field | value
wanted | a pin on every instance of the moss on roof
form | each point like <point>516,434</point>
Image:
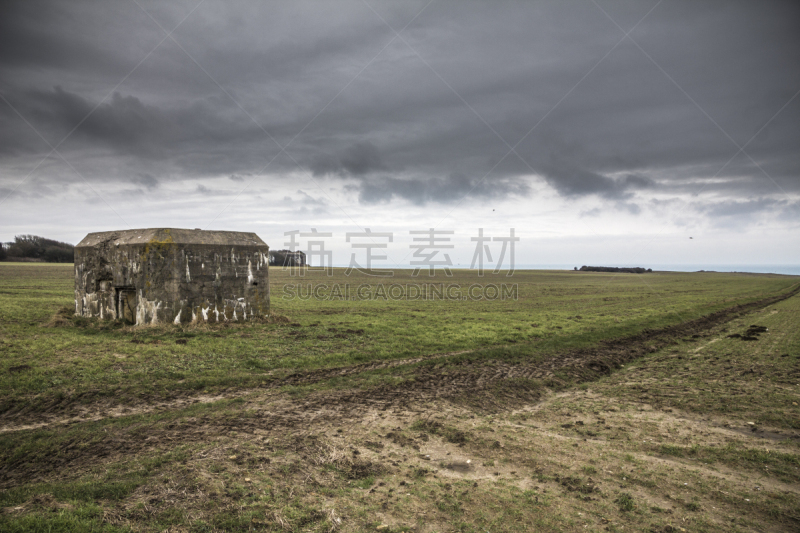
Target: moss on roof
<point>171,235</point>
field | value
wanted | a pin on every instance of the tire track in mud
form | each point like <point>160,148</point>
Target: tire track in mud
<point>428,382</point>
<point>578,365</point>
<point>484,385</point>
<point>49,415</point>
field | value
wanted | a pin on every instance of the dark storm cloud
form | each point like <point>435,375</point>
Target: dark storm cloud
<point>572,181</point>
<point>449,189</point>
<point>60,36</point>
<point>357,160</point>
<point>434,122</point>
<point>127,126</point>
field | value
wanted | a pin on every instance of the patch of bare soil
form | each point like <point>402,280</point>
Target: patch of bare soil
<point>75,408</point>
<point>431,465</point>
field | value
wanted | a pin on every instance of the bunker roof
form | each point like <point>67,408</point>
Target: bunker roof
<point>171,235</point>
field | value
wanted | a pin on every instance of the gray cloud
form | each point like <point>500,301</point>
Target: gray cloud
<point>571,181</point>
<point>126,126</point>
<point>791,213</point>
<point>310,200</point>
<point>630,207</point>
<point>450,189</point>
<point>357,160</point>
<point>145,180</point>
<point>733,208</point>
<point>738,214</point>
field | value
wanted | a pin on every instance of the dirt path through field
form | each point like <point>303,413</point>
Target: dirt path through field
<point>480,385</point>
<point>466,380</point>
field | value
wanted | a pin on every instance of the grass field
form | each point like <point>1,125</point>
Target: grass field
<point>588,401</point>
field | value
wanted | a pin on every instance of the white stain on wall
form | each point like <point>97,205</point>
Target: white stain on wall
<point>90,305</point>
<point>145,308</point>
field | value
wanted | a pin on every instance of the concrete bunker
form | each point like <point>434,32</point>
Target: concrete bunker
<point>157,275</point>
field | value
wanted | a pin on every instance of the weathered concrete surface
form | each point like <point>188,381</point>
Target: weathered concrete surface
<point>155,275</point>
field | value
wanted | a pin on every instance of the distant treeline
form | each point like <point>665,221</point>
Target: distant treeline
<point>35,248</point>
<point>633,270</point>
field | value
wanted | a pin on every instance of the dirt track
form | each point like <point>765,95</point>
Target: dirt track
<point>485,385</point>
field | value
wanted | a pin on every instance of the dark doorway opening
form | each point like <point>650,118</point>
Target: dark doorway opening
<point>125,298</point>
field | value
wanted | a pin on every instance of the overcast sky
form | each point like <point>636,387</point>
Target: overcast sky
<point>625,132</point>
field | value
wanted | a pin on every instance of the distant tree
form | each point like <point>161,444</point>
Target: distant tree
<point>2,251</point>
<point>35,247</point>
<point>59,255</point>
<point>629,270</point>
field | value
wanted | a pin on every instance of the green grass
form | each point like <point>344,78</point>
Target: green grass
<point>78,504</point>
<point>784,466</point>
<point>626,502</point>
<point>554,311</point>
<point>222,466</point>
<point>721,375</point>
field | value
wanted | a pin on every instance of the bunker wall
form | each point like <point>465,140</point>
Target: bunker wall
<point>156,282</point>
